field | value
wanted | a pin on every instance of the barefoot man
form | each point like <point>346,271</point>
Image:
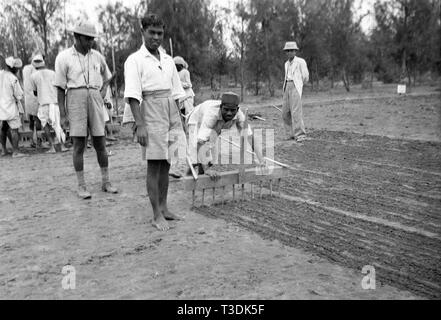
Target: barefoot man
<point>152,88</point>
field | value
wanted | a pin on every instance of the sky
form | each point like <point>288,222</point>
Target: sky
<point>89,6</point>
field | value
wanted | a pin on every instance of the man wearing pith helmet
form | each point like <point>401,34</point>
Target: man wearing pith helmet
<point>296,74</point>
<point>79,76</point>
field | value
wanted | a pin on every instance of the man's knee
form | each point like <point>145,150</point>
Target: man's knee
<point>79,145</point>
<point>99,143</point>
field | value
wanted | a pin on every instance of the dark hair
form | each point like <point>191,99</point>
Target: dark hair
<point>152,20</point>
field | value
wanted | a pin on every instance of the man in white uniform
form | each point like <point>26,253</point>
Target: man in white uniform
<point>152,88</point>
<point>296,74</point>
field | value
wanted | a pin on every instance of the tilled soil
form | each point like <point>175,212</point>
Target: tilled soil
<point>357,200</point>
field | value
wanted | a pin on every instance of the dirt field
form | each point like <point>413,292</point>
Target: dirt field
<point>355,199</point>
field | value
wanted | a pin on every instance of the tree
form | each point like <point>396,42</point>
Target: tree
<point>239,41</point>
<point>407,38</point>
<point>191,26</point>
<point>42,14</point>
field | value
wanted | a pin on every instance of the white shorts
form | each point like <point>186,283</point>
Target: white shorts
<point>43,114</point>
<point>13,123</point>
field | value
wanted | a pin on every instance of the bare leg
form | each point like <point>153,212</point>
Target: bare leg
<point>3,137</point>
<point>50,138</point>
<point>153,189</point>
<point>79,144</point>
<point>163,191</point>
<point>14,141</point>
<point>99,143</point>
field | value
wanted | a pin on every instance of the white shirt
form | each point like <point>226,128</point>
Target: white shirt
<point>144,72</point>
<point>31,103</point>
<point>43,81</point>
<point>297,71</point>
<point>74,70</point>
<point>10,95</point>
<point>184,76</point>
<point>207,117</point>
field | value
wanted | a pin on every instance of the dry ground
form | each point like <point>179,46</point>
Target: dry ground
<point>356,199</point>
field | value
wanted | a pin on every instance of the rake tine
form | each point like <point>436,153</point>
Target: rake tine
<point>193,197</point>
<point>243,192</point>
<point>214,189</point>
<point>252,193</point>
<point>203,196</point>
<point>260,192</point>
<point>234,193</point>
<point>271,188</point>
<point>278,186</point>
<point>223,192</point>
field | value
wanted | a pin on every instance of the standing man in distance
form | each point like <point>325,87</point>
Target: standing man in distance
<point>31,102</point>
<point>82,71</point>
<point>42,82</point>
<point>10,106</point>
<point>152,88</point>
<point>296,74</point>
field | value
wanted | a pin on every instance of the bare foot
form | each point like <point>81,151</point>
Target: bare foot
<point>171,216</point>
<point>160,223</point>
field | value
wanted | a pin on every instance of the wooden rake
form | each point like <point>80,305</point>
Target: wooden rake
<point>243,176</point>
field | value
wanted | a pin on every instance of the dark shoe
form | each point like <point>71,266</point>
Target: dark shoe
<point>83,193</point>
<point>107,187</point>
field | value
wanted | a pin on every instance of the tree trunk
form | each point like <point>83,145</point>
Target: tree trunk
<point>345,80</point>
<point>45,38</point>
<point>241,62</point>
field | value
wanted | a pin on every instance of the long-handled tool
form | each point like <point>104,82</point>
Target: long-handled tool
<point>276,108</point>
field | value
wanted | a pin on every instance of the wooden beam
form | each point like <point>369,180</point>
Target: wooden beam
<point>229,178</point>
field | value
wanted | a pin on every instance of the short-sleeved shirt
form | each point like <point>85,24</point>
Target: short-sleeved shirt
<point>143,72</point>
<point>208,118</point>
<point>10,95</point>
<point>43,81</point>
<point>74,70</point>
<point>31,103</point>
<point>184,76</point>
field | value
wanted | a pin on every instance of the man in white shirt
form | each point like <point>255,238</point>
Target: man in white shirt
<point>296,74</point>
<point>30,102</point>
<point>207,121</point>
<point>153,88</point>
<point>80,73</point>
<point>10,106</point>
<point>42,84</point>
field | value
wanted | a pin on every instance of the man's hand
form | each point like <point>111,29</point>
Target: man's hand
<point>212,174</point>
<point>64,122</point>
<point>141,133</point>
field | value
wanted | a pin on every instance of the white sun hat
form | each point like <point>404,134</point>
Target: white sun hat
<point>291,45</point>
<point>86,29</point>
